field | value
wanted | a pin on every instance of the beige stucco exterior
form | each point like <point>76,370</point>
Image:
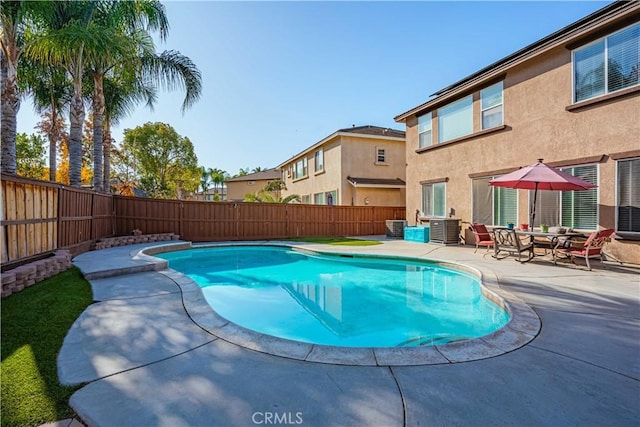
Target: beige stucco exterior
<point>350,154</point>
<point>239,187</point>
<point>540,121</point>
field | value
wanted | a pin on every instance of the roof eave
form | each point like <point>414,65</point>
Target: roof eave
<point>565,35</point>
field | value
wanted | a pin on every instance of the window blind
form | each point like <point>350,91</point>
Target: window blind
<point>623,51</point>
<point>629,195</point>
<point>589,71</point>
<point>580,208</point>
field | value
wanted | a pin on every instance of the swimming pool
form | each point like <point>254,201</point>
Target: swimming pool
<point>338,300</point>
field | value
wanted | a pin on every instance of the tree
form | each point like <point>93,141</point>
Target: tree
<point>51,92</point>
<point>166,164</point>
<point>218,176</point>
<point>72,40</point>
<point>133,53</point>
<point>54,130</point>
<point>16,18</point>
<point>271,193</point>
<point>205,179</point>
<point>122,91</point>
<point>30,157</point>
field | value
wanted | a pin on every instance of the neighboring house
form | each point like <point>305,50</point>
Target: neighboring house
<point>239,187</point>
<point>554,99</point>
<point>210,195</point>
<point>356,166</point>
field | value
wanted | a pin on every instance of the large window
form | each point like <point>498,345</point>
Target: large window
<point>319,161</point>
<point>433,199</point>
<point>300,169</point>
<point>455,120</point>
<point>318,199</point>
<point>491,105</point>
<point>573,209</point>
<point>620,52</point>
<point>424,130</point>
<point>493,205</point>
<point>628,204</point>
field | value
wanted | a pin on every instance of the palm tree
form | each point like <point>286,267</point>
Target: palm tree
<point>73,40</point>
<point>271,193</point>
<point>51,91</point>
<point>16,18</point>
<point>204,179</point>
<point>121,20</point>
<point>129,23</point>
<point>218,177</point>
<point>122,92</point>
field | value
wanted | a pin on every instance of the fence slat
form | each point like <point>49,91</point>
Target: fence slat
<point>39,216</point>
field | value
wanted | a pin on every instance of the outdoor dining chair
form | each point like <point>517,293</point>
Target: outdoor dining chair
<point>483,238</point>
<point>591,248</point>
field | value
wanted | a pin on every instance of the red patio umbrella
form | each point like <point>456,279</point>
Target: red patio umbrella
<point>540,176</point>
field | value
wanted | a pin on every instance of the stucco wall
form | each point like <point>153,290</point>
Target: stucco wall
<point>538,125</point>
<point>236,190</point>
<point>352,156</point>
<point>318,182</point>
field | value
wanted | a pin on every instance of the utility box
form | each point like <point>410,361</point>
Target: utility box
<point>395,228</point>
<point>445,231</point>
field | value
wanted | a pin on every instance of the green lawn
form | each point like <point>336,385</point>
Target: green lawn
<point>336,241</point>
<point>34,323</point>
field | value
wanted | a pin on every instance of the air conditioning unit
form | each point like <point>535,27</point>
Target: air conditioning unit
<point>445,231</point>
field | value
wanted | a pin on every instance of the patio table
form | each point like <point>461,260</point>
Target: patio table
<point>553,237</point>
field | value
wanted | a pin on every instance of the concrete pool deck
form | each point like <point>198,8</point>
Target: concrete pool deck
<point>144,361</point>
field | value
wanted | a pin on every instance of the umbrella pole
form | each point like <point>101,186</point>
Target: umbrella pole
<point>533,208</point>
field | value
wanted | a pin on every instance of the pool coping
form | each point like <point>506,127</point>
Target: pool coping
<point>523,326</point>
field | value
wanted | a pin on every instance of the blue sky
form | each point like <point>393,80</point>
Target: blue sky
<point>280,76</point>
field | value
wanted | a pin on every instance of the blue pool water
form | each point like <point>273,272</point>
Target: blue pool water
<point>342,301</point>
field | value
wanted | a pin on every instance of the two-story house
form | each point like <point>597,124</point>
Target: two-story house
<point>363,165</point>
<point>572,99</point>
<point>240,186</point>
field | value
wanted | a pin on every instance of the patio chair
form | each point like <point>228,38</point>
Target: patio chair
<point>506,240</point>
<point>483,238</point>
<point>591,248</point>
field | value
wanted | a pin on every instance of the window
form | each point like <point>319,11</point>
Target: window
<point>252,183</point>
<point>579,209</point>
<point>331,197</point>
<point>493,205</point>
<point>620,52</point>
<point>306,199</point>
<point>572,209</point>
<point>424,130</point>
<point>319,161</point>
<point>491,105</point>
<point>318,199</point>
<point>381,155</point>
<point>433,199</point>
<point>628,197</point>
<point>300,169</point>
<point>455,120</point>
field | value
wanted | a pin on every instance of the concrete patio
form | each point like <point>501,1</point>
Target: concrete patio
<point>144,361</point>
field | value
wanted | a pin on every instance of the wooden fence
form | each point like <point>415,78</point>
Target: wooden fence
<point>39,217</point>
<point>207,221</point>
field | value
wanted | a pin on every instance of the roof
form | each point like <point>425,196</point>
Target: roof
<point>375,182</point>
<point>374,130</point>
<point>571,32</point>
<point>265,175</point>
<point>367,131</point>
